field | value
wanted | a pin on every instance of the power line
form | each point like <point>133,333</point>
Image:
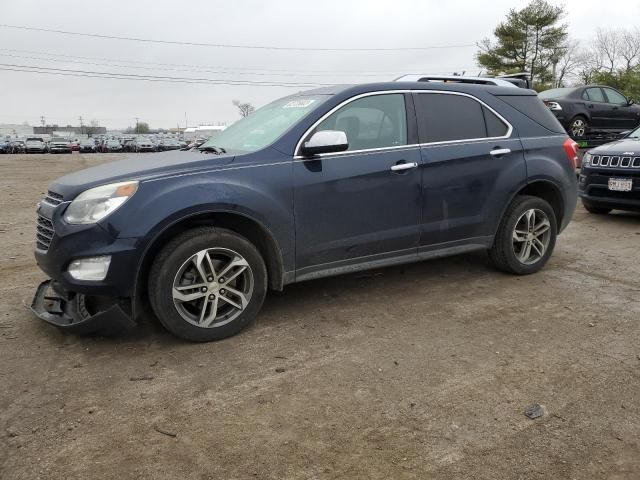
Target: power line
<point>205,68</point>
<point>223,72</point>
<point>226,45</point>
<point>151,78</point>
<point>200,70</point>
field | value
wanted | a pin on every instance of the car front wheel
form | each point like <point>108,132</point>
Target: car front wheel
<point>526,236</point>
<point>207,284</point>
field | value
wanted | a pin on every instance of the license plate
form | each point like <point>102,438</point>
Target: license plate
<point>621,184</point>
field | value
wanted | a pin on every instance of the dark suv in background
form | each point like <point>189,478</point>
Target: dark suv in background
<point>320,183</point>
<point>610,176</point>
<point>592,108</point>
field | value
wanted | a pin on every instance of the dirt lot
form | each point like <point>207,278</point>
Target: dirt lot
<point>415,372</point>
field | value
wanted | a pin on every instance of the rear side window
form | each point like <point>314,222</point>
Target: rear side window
<point>376,121</point>
<point>532,107</point>
<point>447,117</point>
<point>495,126</point>
<point>595,95</point>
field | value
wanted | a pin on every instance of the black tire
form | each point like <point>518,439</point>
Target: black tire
<point>595,208</point>
<point>503,254</point>
<point>174,255</point>
<point>578,126</point>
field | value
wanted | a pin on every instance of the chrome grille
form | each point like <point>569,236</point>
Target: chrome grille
<point>605,161</point>
<point>44,233</point>
<point>53,198</point>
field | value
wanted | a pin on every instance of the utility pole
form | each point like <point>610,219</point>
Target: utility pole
<point>42,122</point>
<point>81,126</point>
<point>137,119</point>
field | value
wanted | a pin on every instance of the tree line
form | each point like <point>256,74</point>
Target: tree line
<point>535,39</point>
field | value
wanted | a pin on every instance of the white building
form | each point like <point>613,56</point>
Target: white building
<point>15,130</point>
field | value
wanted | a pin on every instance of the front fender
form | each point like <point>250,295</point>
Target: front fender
<point>263,194</point>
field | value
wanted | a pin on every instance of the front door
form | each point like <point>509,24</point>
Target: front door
<point>357,206</point>
<point>625,116</point>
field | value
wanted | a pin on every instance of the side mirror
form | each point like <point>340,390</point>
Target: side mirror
<point>630,101</point>
<point>325,141</point>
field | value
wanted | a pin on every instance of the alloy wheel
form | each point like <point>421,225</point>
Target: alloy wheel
<point>531,236</point>
<point>213,287</point>
<point>578,127</point>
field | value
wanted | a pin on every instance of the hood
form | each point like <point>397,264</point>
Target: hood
<point>626,146</point>
<point>137,167</point>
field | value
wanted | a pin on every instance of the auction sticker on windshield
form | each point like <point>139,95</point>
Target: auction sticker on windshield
<point>299,103</point>
<point>621,184</point>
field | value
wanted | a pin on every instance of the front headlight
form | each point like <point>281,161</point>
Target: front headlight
<point>586,160</point>
<point>96,203</point>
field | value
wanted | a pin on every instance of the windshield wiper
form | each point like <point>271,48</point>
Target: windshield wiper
<point>212,148</point>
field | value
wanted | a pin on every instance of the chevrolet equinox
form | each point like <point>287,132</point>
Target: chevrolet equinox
<point>319,183</point>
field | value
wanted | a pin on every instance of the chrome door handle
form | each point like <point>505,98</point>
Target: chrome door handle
<point>500,151</point>
<point>403,166</point>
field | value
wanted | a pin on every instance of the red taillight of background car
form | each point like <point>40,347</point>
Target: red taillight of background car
<point>571,149</point>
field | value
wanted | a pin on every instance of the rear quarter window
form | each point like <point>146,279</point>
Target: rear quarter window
<point>532,107</point>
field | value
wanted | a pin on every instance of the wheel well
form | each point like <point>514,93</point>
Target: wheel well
<point>248,228</point>
<point>549,192</point>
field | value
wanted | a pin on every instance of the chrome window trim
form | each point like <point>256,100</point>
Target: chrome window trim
<point>297,156</point>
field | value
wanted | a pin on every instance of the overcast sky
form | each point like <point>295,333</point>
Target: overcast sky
<point>274,23</point>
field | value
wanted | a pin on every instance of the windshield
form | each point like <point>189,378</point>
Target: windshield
<point>635,134</point>
<point>265,125</point>
<point>556,93</point>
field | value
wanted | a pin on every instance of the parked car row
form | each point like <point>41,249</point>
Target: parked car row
<point>102,144</point>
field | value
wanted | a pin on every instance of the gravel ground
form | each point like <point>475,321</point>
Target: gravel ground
<point>413,372</point>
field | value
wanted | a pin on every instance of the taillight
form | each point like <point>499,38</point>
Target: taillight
<point>571,149</point>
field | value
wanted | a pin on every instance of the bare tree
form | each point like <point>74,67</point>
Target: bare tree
<point>608,46</point>
<point>245,108</point>
<point>566,62</point>
<point>630,49</point>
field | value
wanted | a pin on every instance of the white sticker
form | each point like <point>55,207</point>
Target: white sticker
<point>299,103</point>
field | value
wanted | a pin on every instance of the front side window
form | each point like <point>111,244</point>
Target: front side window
<point>376,121</point>
<point>446,117</point>
<point>615,97</point>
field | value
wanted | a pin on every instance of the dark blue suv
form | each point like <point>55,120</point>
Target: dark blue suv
<point>319,183</point>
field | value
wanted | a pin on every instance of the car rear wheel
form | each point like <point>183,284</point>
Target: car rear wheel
<point>578,127</point>
<point>207,284</point>
<point>595,209</point>
<point>526,236</point>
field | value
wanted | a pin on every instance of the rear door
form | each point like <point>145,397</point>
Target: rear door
<point>472,164</point>
<point>601,112</point>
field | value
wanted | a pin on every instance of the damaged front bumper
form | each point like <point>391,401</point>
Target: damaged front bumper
<point>77,313</point>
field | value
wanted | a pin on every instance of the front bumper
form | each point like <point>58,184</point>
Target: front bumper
<point>69,242</point>
<point>593,188</point>
<point>71,312</point>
